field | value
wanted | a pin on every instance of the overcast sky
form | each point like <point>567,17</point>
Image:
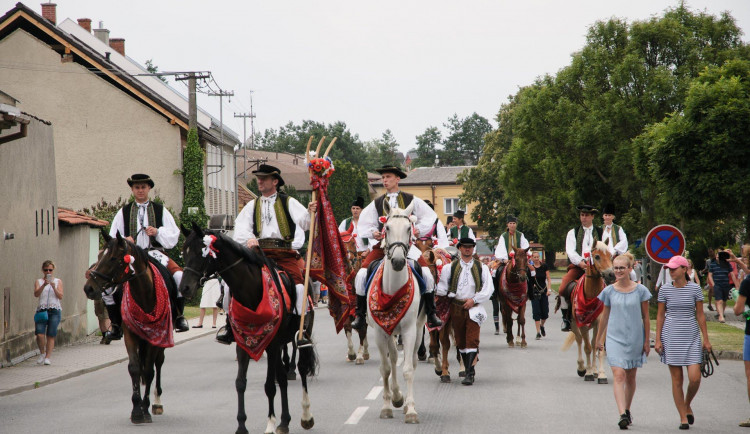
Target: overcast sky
<point>376,65</point>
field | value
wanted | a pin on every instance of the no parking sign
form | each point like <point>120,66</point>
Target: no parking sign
<point>663,242</point>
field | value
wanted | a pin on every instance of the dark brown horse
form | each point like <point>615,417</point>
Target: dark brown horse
<point>354,259</point>
<point>512,292</point>
<point>242,268</point>
<point>144,359</point>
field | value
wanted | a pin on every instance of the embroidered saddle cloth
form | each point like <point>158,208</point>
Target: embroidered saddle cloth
<point>255,329</point>
<point>156,326</point>
<point>515,293</point>
<point>388,310</point>
<point>586,311</point>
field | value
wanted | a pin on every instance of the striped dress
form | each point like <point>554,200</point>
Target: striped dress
<point>680,335</point>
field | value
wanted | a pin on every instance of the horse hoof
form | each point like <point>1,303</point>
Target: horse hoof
<point>524,344</point>
<point>366,356</point>
<point>307,424</point>
<point>431,359</point>
<point>411,418</point>
<point>422,357</point>
<point>602,381</point>
<point>157,409</point>
<point>461,374</point>
<point>581,373</point>
<point>510,345</point>
<point>588,378</point>
<point>398,403</point>
<point>386,413</point>
<point>360,362</point>
<point>291,375</point>
<point>445,378</point>
<point>241,430</point>
<point>351,357</point>
<point>400,347</point>
<point>282,430</point>
<point>438,372</point>
<point>137,419</point>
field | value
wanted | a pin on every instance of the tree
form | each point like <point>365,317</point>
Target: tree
<point>346,183</point>
<point>193,160</point>
<point>465,140</point>
<point>153,69</point>
<point>427,143</point>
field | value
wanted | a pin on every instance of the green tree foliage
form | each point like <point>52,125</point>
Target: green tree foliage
<point>150,67</point>
<point>253,186</point>
<point>574,138</point>
<point>302,196</point>
<point>427,147</point>
<point>346,183</point>
<point>465,140</point>
<point>193,181</point>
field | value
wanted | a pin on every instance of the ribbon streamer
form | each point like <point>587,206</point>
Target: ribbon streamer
<point>208,241</point>
<point>129,260</point>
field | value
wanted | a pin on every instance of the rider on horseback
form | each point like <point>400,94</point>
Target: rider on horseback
<point>437,233</point>
<point>468,283</point>
<point>508,241</point>
<point>151,227</point>
<point>351,225</point>
<point>369,223</point>
<point>275,222</point>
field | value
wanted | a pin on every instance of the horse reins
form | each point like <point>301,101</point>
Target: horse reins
<point>390,246</point>
<point>111,280</point>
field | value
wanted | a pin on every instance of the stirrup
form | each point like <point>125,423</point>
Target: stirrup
<point>303,342</point>
<point>225,336</point>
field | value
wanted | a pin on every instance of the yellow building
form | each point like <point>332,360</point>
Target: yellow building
<point>439,185</point>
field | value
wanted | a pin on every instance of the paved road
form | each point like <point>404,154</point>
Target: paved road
<point>517,390</point>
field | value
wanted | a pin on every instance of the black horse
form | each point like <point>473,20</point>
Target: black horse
<point>241,268</point>
<point>144,359</point>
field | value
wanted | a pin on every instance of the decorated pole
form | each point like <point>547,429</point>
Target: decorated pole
<point>300,337</point>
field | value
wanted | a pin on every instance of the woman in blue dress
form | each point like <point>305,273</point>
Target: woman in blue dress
<point>678,340</point>
<point>624,322</point>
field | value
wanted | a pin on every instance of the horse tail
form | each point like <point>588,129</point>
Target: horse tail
<point>308,361</point>
<point>568,342</point>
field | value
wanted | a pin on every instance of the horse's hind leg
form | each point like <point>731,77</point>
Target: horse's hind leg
<point>281,378</point>
<point>134,369</point>
<point>508,319</point>
<point>434,344</point>
<point>409,366</point>
<point>243,359</point>
<point>350,354</point>
<point>157,408</point>
<point>363,353</point>
<point>587,348</point>
<point>422,351</point>
<point>522,324</point>
<point>273,354</point>
<point>581,370</point>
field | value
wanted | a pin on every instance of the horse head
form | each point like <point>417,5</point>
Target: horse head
<point>601,261</point>
<point>198,259</point>
<point>516,270</point>
<point>120,261</point>
<point>350,244</point>
<point>398,235</point>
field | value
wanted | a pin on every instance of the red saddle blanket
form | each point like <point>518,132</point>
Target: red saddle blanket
<point>255,329</point>
<point>586,311</point>
<point>515,294</point>
<point>442,310</point>
<point>156,326</point>
<point>388,310</point>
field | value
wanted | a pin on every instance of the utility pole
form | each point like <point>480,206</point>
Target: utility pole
<point>192,78</point>
<point>244,117</point>
<point>252,123</point>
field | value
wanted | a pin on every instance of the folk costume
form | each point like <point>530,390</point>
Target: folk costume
<point>132,221</point>
<point>506,243</point>
<point>349,224</point>
<point>580,240</point>
<point>437,233</point>
<point>369,222</point>
<point>461,281</point>
<point>457,233</point>
<point>613,235</point>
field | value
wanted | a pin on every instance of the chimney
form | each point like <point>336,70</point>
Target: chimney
<point>49,11</point>
<point>85,23</point>
<point>118,44</point>
<point>101,33</point>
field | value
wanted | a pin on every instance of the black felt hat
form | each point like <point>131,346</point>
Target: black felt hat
<point>511,219</point>
<point>140,177</point>
<point>466,242</point>
<point>459,214</point>
<point>392,169</point>
<point>268,170</point>
<point>608,209</point>
<point>587,208</point>
<point>359,201</point>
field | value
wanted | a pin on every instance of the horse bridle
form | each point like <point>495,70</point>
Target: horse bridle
<point>109,281</point>
<point>203,276</point>
<point>390,246</point>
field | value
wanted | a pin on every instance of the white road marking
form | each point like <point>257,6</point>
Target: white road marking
<point>356,416</point>
<point>374,393</point>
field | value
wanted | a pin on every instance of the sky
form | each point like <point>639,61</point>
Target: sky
<point>391,64</point>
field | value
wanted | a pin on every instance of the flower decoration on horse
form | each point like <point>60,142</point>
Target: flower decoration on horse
<point>321,167</point>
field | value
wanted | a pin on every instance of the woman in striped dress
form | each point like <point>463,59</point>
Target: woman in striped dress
<point>678,320</point>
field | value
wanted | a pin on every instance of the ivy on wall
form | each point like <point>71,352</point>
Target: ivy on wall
<point>192,173</point>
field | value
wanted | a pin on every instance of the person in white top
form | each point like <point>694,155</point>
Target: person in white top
<point>460,230</point>
<point>437,236</point>
<point>468,283</point>
<point>369,223</point>
<point>150,226</point>
<point>351,225</point>
<point>578,242</point>
<point>49,290</point>
<point>275,222</point>
<point>509,240</point>
<point>612,234</point>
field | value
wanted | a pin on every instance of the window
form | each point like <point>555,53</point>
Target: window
<point>451,205</point>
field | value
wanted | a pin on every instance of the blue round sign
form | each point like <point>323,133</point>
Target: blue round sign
<point>663,242</point>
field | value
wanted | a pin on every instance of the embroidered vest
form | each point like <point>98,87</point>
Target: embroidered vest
<point>615,235</point>
<point>464,232</point>
<point>283,218</point>
<point>476,273</point>
<point>596,233</point>
<point>403,199</point>
<point>511,242</point>
<point>155,212</point>
<point>349,226</point>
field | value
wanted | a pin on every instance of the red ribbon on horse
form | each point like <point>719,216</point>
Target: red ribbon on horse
<point>388,310</point>
<point>156,326</point>
<point>515,294</point>
<point>586,311</point>
<point>328,263</point>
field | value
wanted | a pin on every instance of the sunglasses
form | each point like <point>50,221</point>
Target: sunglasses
<point>620,268</point>
<point>48,269</point>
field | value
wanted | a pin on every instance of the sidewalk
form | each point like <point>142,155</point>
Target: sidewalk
<point>73,360</point>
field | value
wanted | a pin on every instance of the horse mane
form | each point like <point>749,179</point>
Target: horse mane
<point>601,247</point>
<point>252,256</point>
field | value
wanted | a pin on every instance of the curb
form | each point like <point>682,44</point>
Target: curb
<point>83,371</point>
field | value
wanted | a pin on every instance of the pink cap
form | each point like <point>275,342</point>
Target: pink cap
<point>677,261</point>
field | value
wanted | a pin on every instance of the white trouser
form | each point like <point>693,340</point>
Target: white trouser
<point>300,296</point>
<point>360,280</point>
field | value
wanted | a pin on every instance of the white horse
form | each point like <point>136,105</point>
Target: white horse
<point>396,243</point>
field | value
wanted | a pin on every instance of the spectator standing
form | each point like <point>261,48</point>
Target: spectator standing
<point>539,292</point>
<point>739,307</point>
<point>709,284</point>
<point>209,297</point>
<point>625,323</point>
<point>719,275</point>
<point>692,274</point>
<point>678,321</point>
<point>101,314</point>
<point>49,290</point>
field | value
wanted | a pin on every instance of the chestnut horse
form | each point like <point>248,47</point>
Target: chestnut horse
<point>598,274</point>
<point>354,258</point>
<point>512,292</point>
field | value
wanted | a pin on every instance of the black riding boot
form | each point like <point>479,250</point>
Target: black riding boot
<point>429,309</point>
<point>180,323</point>
<point>360,322</point>
<point>115,319</point>
<point>304,340</point>
<point>565,320</point>
<point>225,335</point>
<point>468,362</point>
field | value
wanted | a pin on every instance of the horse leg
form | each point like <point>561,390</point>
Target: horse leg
<point>522,324</point>
<point>281,378</point>
<point>350,354</point>
<point>363,352</point>
<point>601,374</point>
<point>422,350</point>
<point>445,344</point>
<point>274,356</point>
<point>409,366</point>
<point>157,408</point>
<point>290,366</point>
<point>581,371</point>
<point>397,399</point>
<point>587,348</point>
<point>243,360</point>
<point>306,368</point>
<point>434,344</point>
<point>148,376</point>
<point>385,344</point>
<point>134,369</point>
<point>507,315</point>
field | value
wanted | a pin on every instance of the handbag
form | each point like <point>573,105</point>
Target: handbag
<point>41,316</point>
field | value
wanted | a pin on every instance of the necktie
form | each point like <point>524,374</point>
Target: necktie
<point>142,215</point>
<point>267,207</point>
<point>465,273</point>
<point>393,199</point>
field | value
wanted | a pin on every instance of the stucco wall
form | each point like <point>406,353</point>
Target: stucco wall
<point>102,135</point>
